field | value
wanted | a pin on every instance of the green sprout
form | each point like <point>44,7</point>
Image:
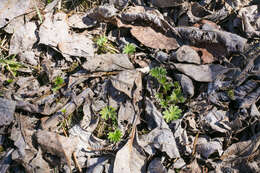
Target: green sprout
<point>58,82</point>
<point>115,136</point>
<point>10,65</point>
<point>102,41</point>
<point>104,45</point>
<point>177,96</point>
<point>231,94</point>
<point>129,49</point>
<point>173,113</point>
<point>64,110</point>
<point>108,112</point>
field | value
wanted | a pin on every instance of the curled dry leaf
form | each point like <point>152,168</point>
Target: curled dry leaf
<point>232,42</point>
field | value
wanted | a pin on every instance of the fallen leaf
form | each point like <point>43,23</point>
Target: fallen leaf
<point>200,73</point>
<point>10,9</point>
<point>108,62</point>
<point>153,39</point>
<point>129,159</point>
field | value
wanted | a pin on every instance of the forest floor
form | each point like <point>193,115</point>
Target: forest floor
<point>129,86</point>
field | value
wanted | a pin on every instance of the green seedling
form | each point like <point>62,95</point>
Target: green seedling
<point>129,49</point>
<point>64,111</point>
<point>115,136</point>
<point>58,82</point>
<point>177,96</point>
<point>169,94</point>
<point>9,81</point>
<point>172,113</point>
<point>10,65</point>
<point>231,94</point>
<point>104,45</point>
<point>108,112</point>
<point>160,74</point>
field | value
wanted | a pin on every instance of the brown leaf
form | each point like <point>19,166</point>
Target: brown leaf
<point>204,54</point>
<point>150,38</point>
<point>57,144</point>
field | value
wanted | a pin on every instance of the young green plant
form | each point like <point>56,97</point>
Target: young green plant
<point>129,49</point>
<point>58,83</point>
<point>107,113</point>
<point>104,46</point>
<point>10,64</point>
<point>169,94</point>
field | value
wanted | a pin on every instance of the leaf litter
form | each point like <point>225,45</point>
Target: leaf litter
<point>55,86</point>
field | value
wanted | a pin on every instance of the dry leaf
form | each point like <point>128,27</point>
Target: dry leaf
<point>153,39</point>
<point>10,9</point>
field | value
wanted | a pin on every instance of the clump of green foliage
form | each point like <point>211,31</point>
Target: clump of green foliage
<point>169,94</point>
<point>58,83</point>
<point>109,113</point>
<point>129,49</point>
<point>10,64</point>
<point>104,46</point>
<point>172,113</point>
<point>115,136</point>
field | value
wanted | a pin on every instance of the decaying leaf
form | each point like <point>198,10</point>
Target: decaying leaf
<point>156,167</point>
<point>250,20</point>
<point>201,73</point>
<point>54,32</point>
<point>207,148</point>
<point>155,118</point>
<point>70,107</point>
<point>187,54</point>
<point>150,38</point>
<point>23,38</point>
<point>25,153</point>
<point>129,159</point>
<point>57,145</point>
<point>81,21</point>
<point>7,108</point>
<point>156,37</point>
<point>77,45</point>
<point>108,62</point>
<point>217,120</point>
<point>11,9</point>
<point>126,80</point>
<point>160,139</point>
<point>167,3</point>
<point>232,42</point>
